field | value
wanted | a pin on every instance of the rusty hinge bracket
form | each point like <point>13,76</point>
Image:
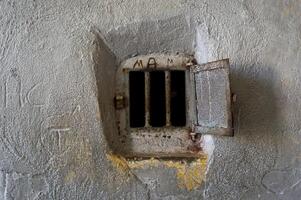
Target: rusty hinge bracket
<point>191,63</point>
<point>119,102</point>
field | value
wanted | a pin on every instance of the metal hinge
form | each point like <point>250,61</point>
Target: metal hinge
<point>191,63</point>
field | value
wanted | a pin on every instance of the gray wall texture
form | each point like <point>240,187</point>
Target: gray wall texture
<point>57,64</point>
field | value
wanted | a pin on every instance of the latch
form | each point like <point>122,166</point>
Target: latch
<point>119,102</point>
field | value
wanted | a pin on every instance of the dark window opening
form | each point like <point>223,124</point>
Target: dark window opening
<point>157,98</point>
<point>137,100</point>
<point>177,98</point>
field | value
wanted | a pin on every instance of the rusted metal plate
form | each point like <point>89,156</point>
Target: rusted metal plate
<point>160,142</point>
<point>212,98</point>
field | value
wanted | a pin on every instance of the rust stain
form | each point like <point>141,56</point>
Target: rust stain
<point>190,174</point>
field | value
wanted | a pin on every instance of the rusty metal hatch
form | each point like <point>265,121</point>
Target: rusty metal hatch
<point>162,135</point>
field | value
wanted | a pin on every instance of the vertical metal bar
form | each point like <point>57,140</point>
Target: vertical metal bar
<point>189,97</point>
<point>167,97</point>
<point>147,98</point>
<point>126,84</point>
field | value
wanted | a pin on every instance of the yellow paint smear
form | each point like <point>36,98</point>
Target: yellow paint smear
<point>190,174</point>
<point>70,176</point>
<point>119,162</point>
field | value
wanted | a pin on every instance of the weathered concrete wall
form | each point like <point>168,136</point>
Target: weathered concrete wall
<point>57,60</point>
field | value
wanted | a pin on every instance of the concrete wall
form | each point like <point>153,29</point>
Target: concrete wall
<point>58,59</point>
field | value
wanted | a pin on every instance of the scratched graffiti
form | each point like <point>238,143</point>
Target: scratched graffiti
<point>151,63</point>
<point>169,61</point>
<point>138,64</point>
<point>14,95</point>
<point>20,130</point>
<point>11,183</point>
<point>158,61</point>
<point>30,128</point>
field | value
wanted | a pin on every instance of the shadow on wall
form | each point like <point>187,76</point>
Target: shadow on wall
<point>172,34</point>
<point>252,152</point>
<point>105,70</point>
<point>257,105</point>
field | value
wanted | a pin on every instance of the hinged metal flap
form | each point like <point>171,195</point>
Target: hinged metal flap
<point>212,96</point>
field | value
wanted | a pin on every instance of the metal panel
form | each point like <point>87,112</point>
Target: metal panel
<point>212,98</point>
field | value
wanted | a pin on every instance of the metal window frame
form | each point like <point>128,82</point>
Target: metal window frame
<point>225,129</point>
<point>149,141</point>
